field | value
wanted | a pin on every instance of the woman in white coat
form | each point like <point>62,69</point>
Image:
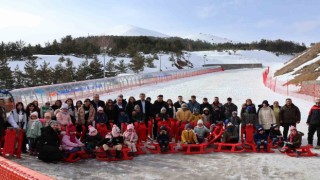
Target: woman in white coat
<point>266,117</point>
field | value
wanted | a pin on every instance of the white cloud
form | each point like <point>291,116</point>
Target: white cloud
<point>14,18</point>
<point>306,26</point>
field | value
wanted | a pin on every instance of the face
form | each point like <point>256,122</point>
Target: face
<point>19,107</point>
<point>200,125</point>
<point>169,102</point>
<point>100,111</point>
<point>234,114</point>
<point>193,99</point>
<point>96,98</point>
<point>248,101</point>
<point>261,132</point>
<point>64,110</point>
<point>79,104</point>
<point>54,126</point>
<point>109,103</point>
<point>180,98</point>
<point>69,102</point>
<point>87,103</point>
<point>119,100</point>
<point>47,104</point>
<point>276,104</point>
<point>142,96</point>
<point>206,112</point>
<point>160,98</point>
<point>130,130</point>
<point>229,101</point>
<point>47,117</point>
<point>33,117</point>
<point>318,102</point>
<point>132,99</point>
<point>216,99</point>
<point>264,105</point>
<point>35,103</point>
<point>276,128</point>
<point>31,108</point>
<point>288,102</point>
<point>205,101</point>
<point>58,103</point>
<point>73,132</point>
<point>294,132</point>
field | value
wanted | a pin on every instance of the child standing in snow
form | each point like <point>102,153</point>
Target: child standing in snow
<point>130,139</point>
<point>163,138</point>
<point>260,138</point>
<point>33,132</point>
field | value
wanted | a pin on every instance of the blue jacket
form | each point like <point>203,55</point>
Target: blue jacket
<point>258,137</point>
<point>101,118</point>
<point>191,105</point>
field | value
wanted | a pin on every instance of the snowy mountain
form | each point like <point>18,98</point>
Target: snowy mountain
<point>130,30</point>
<point>208,38</point>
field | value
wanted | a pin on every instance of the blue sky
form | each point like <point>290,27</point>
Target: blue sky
<point>39,21</point>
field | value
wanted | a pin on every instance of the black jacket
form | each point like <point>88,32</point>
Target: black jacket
<point>148,109</point>
<point>314,116</point>
<point>158,105</point>
<point>178,105</point>
<point>48,145</point>
<point>205,105</point>
<point>289,115</point>
<point>100,104</point>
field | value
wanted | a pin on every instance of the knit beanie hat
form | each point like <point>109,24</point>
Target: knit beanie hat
<point>163,109</point>
<point>199,122</point>
<point>100,108</point>
<point>92,130</point>
<point>292,128</point>
<point>188,126</point>
<point>115,131</point>
<point>260,129</point>
<point>34,114</point>
<point>64,106</point>
<point>130,126</point>
<point>136,107</point>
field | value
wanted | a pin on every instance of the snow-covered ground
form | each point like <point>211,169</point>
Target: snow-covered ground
<point>238,84</point>
<point>196,58</point>
<point>208,38</point>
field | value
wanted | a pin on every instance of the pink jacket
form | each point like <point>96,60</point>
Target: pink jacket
<point>68,145</point>
<point>64,118</point>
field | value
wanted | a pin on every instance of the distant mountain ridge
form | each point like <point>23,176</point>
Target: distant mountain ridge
<point>208,38</point>
<point>130,30</point>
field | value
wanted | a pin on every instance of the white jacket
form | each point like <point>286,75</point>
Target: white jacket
<point>266,117</point>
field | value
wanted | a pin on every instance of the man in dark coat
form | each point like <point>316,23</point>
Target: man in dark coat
<point>157,105</point>
<point>229,107</point>
<point>289,116</point>
<point>96,102</point>
<point>178,104</point>
<point>49,143</point>
<point>205,104</point>
<point>314,123</point>
<point>146,107</point>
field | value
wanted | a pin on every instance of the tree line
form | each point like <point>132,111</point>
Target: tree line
<point>129,46</point>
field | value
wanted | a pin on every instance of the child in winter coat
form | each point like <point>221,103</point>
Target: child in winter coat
<point>33,132</point>
<point>137,115</point>
<point>130,139</point>
<point>206,117</point>
<point>163,138</point>
<point>294,141</point>
<point>92,140</point>
<point>163,116</point>
<point>275,134</point>
<point>234,119</point>
<point>63,117</point>
<point>201,131</point>
<point>230,135</point>
<point>113,141</point>
<point>70,143</point>
<point>195,117</point>
<point>100,117</point>
<point>188,136</point>
<point>260,138</point>
<point>123,117</point>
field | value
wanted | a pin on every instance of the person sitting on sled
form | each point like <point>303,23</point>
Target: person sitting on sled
<point>130,139</point>
<point>113,141</point>
<point>195,117</point>
<point>70,143</point>
<point>230,135</point>
<point>260,138</point>
<point>188,136</point>
<point>201,131</point>
<point>92,140</point>
<point>294,141</point>
<point>163,139</point>
<point>275,134</point>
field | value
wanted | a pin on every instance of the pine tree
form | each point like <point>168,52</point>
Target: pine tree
<point>31,72</point>
<point>6,78</point>
<point>45,74</point>
<point>69,72</point>
<point>137,63</point>
<point>58,74</point>
<point>149,61</point>
<point>95,69</point>
<point>18,76</point>
<point>83,71</point>
<point>111,68</point>
<point>121,67</point>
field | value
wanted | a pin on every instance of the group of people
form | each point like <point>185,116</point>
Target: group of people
<point>51,129</point>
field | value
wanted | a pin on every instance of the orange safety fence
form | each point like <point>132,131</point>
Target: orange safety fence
<point>11,170</point>
<point>305,91</point>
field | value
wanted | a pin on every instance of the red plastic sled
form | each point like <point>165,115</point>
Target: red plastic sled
<point>216,134</point>
<point>72,158</point>
<point>249,144</point>
<point>84,155</point>
<point>304,152</point>
<point>229,147</point>
<point>196,149</point>
<point>154,148</point>
<point>141,130</point>
<point>102,129</point>
<point>12,142</point>
<point>101,155</point>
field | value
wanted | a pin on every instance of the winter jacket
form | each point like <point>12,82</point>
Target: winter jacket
<point>97,104</point>
<point>82,114</point>
<point>274,133</point>
<point>314,116</point>
<point>184,115</point>
<point>157,107</point>
<point>217,115</point>
<point>266,117</point>
<point>101,118</point>
<point>112,113</point>
<point>201,132</point>
<point>248,118</point>
<point>188,137</point>
<point>276,111</point>
<point>178,104</point>
<point>34,128</point>
<point>3,117</point>
<point>123,119</point>
<point>48,145</point>
<point>289,115</point>
<point>296,140</point>
<point>171,111</point>
<point>68,145</point>
<point>127,137</point>
<point>244,107</point>
<point>234,120</point>
<point>18,120</point>
<point>205,105</point>
<point>113,141</point>
<point>193,105</point>
<point>258,137</point>
<point>229,108</point>
<point>64,118</point>
<point>93,141</point>
<point>147,109</point>
<point>163,137</point>
<point>230,134</point>
<point>195,118</point>
<point>207,118</point>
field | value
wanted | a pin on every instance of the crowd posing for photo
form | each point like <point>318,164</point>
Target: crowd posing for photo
<point>68,127</point>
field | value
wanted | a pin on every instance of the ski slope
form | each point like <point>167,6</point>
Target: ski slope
<point>238,84</point>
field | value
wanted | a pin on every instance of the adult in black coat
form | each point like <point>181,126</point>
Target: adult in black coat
<point>112,112</point>
<point>157,105</point>
<point>3,116</point>
<point>124,101</point>
<point>49,142</point>
<point>178,104</point>
<point>146,107</point>
<point>205,104</point>
<point>96,102</point>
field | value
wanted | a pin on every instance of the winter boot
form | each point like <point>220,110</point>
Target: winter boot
<point>130,153</point>
<point>30,152</point>
<point>298,153</point>
<point>134,154</point>
<point>108,154</point>
<point>118,154</point>
<point>317,147</point>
